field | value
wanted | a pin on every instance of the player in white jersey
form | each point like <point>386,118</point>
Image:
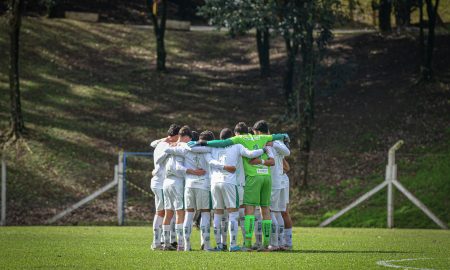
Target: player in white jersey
<point>224,187</point>
<point>196,191</point>
<point>173,190</point>
<point>157,181</point>
<point>278,198</point>
<point>286,241</point>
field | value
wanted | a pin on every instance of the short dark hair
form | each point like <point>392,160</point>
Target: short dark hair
<point>250,130</point>
<point>206,136</point>
<point>194,135</point>
<point>185,131</point>
<point>173,130</point>
<point>261,126</point>
<point>226,133</point>
<point>241,128</point>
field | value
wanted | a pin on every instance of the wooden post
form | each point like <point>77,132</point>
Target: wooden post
<point>3,194</point>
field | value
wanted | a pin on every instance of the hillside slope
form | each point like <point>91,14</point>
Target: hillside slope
<point>90,90</point>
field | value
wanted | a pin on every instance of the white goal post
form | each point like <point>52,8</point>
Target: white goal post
<point>391,182</point>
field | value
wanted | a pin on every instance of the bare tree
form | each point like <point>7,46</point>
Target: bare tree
<point>16,124</point>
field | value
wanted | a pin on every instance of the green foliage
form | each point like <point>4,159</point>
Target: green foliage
<point>241,15</point>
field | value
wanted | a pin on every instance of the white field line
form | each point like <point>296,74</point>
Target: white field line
<point>389,263</point>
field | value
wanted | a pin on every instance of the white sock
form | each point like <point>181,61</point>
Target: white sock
<point>274,234</point>
<point>157,228</point>
<point>241,221</point>
<point>233,225</point>
<point>187,227</point>
<point>173,234</point>
<point>258,227</point>
<point>179,231</point>
<point>217,230</point>
<point>205,224</point>
<point>288,236</point>
<point>224,226</point>
<point>280,221</point>
<point>166,232</point>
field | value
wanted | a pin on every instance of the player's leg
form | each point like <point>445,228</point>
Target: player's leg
<point>251,199</point>
<point>179,211</point>
<point>204,204</point>
<point>287,229</point>
<point>258,228</point>
<point>173,233</point>
<point>231,200</point>
<point>277,205</point>
<point>158,218</point>
<point>287,222</point>
<point>274,233</point>
<point>266,192</point>
<point>189,202</point>
<point>241,210</point>
<point>169,213</point>
<point>280,207</point>
<point>218,207</point>
<point>224,231</point>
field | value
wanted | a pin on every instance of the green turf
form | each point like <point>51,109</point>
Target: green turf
<point>128,248</point>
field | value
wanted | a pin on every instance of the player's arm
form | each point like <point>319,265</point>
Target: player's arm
<point>268,162</point>
<point>182,170</point>
<point>281,148</point>
<point>200,149</point>
<point>176,151</point>
<point>213,143</point>
<point>217,164</point>
<point>278,137</point>
<point>155,143</point>
<point>250,153</point>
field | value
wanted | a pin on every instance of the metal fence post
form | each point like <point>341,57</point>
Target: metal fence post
<point>120,199</point>
<point>3,194</point>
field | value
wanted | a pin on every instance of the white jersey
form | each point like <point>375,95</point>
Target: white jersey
<point>192,161</point>
<point>175,170</point>
<point>279,178</point>
<point>229,156</point>
<point>159,160</point>
<point>240,173</point>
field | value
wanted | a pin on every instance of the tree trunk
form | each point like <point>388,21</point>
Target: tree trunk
<point>427,70</point>
<point>288,80</point>
<point>16,124</point>
<point>384,15</point>
<point>263,46</point>
<point>403,13</point>
<point>307,112</point>
<point>421,35</point>
<point>159,30</point>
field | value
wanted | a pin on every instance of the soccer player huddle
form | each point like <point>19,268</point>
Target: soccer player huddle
<point>241,177</point>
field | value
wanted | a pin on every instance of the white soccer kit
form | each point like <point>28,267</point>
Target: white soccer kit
<point>173,186</point>
<point>279,178</point>
<point>224,185</point>
<point>196,192</point>
<point>159,172</point>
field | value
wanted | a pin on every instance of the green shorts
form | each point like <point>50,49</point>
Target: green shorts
<point>258,190</point>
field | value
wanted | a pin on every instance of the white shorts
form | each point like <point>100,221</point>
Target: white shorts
<point>278,200</point>
<point>224,195</point>
<point>286,194</point>
<point>241,195</point>
<point>195,198</point>
<point>173,197</point>
<point>159,198</point>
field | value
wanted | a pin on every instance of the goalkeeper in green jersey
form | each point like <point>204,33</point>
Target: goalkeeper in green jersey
<point>258,182</point>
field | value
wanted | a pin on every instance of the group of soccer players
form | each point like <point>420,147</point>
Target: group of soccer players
<point>241,177</point>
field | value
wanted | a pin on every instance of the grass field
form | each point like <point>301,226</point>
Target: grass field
<point>128,248</point>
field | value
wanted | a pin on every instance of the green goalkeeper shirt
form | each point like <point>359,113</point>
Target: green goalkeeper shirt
<point>254,142</point>
<point>251,142</point>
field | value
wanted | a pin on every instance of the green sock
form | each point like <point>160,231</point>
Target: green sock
<point>249,225</point>
<point>267,229</point>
